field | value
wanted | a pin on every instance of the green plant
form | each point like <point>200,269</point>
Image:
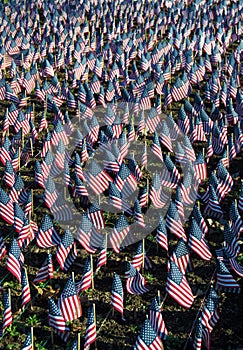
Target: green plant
<point>32,321</point>
<point>12,330</point>
<point>39,346</point>
<point>149,277</point>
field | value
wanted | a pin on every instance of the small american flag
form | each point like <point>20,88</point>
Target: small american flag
<point>90,333</point>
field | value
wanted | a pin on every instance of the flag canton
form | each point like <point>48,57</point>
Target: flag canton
<point>181,249</point>
<point>15,250</point>
<point>46,223</point>
<point>86,224</point>
<point>90,320</point>
<point>117,285</point>
<point>121,223</point>
<point>67,239</point>
<point>147,333</point>
<point>195,230</point>
<point>175,274</point>
<point>69,289</point>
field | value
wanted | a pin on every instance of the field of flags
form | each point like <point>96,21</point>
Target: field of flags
<point>121,192</point>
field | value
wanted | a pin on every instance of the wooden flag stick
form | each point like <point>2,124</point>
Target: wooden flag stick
<point>31,147</point>
<point>79,341</point>
<point>92,269</point>
<point>19,158</point>
<point>95,322</point>
<point>32,337</point>
<point>143,251</point>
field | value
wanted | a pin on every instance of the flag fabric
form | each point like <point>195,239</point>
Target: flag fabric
<point>56,320</point>
<point>197,242</point>
<point>69,302</point>
<point>156,319</point>
<point>210,316</point>
<point>26,296</point>
<point>46,271</point>
<point>14,260</point>
<point>224,280</point>
<point>7,313</point>
<point>177,286</point>
<point>87,276</point>
<point>90,333</point>
<point>117,294</point>
<point>66,252</point>
<point>148,338</point>
<point>136,283</point>
<point>28,342</point>
<point>181,257</point>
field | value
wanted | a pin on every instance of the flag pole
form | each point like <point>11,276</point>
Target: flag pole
<point>95,323</point>
<point>92,270</point>
<point>143,252</point>
<point>32,337</point>
<point>79,341</point>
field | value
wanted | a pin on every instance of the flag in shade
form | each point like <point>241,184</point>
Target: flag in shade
<point>117,294</point>
<point>87,276</point>
<point>3,250</point>
<point>102,257</point>
<point>148,338</point>
<point>46,271</point>
<point>6,207</point>
<point>90,333</point>
<point>97,178</point>
<point>161,235</point>
<point>157,320</point>
<point>66,252</point>
<point>74,345</point>
<point>136,283</point>
<point>96,216</point>
<point>173,222</point>
<point>7,313</point>
<point>200,219</point>
<point>177,286</point>
<point>69,302</point>
<point>181,256</point>
<point>197,243</point>
<point>197,343</point>
<point>119,233</point>
<point>47,236</point>
<point>28,342</point>
<point>13,263</point>
<point>210,315</point>
<point>56,320</point>
<point>26,297</point>
<point>224,280</point>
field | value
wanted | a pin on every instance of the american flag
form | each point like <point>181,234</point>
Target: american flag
<point>46,271</point>
<point>136,283</point>
<point>69,302</point>
<point>47,236</point>
<point>161,235</point>
<point>173,222</point>
<point>86,280</point>
<point>96,216</point>
<point>6,207</point>
<point>96,178</point>
<point>181,256</point>
<point>90,333</point>
<point>3,250</point>
<point>224,280</point>
<point>26,296</point>
<point>197,242</point>
<point>66,251</point>
<point>157,320</point>
<point>210,315</point>
<point>148,338</point>
<point>177,286</point>
<point>56,320</point>
<point>118,236</point>
<point>28,343</point>
<point>117,294</point>
<point>13,263</point>
<point>7,313</point>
